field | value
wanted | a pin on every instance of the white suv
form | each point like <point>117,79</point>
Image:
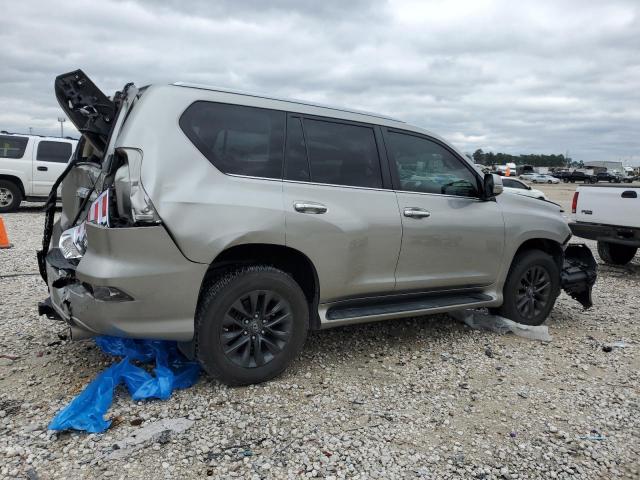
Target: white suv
<point>29,165</point>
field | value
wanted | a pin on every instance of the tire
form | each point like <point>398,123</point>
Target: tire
<point>10,196</point>
<point>616,254</point>
<point>549,182</point>
<point>524,262</point>
<point>226,316</point>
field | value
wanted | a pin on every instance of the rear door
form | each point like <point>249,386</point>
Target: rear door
<point>50,158</point>
<point>451,238</point>
<point>338,210</point>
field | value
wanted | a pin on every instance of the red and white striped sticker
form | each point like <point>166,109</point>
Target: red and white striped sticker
<point>99,211</point>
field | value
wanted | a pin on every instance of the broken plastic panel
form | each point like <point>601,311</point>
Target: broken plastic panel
<point>484,321</point>
<point>172,370</point>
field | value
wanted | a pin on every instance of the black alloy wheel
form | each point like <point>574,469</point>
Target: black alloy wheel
<point>256,328</point>
<point>533,292</point>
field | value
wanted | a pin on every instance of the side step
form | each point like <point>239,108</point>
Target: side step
<point>362,308</point>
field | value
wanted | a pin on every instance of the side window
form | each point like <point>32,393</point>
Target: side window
<point>237,139</point>
<point>12,147</point>
<point>296,162</point>
<point>59,152</point>
<point>513,184</point>
<point>425,166</point>
<point>342,154</point>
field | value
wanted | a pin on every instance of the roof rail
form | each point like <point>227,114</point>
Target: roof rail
<point>283,99</point>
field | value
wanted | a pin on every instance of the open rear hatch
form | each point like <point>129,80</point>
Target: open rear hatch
<point>98,118</point>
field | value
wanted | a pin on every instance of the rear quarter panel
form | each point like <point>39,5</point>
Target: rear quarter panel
<point>205,210</point>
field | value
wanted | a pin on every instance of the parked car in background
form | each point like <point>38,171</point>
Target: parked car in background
<point>514,185</point>
<point>608,177</point>
<point>244,221</point>
<point>527,176</point>
<point>29,165</point>
<point>611,216</point>
<point>543,178</point>
<point>578,176</point>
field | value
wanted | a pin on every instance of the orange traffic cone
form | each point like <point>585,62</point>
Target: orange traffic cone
<point>4,238</point>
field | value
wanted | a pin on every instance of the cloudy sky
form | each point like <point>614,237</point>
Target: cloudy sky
<point>516,77</point>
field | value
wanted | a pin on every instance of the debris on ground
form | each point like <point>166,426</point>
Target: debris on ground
<point>86,411</point>
<point>157,432</point>
<point>484,321</point>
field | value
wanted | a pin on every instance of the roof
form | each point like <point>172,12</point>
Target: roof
<point>4,132</point>
<point>603,163</point>
<point>284,99</point>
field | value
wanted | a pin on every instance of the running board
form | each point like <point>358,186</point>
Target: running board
<point>360,308</point>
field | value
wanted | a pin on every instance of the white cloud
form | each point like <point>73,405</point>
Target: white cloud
<point>519,77</point>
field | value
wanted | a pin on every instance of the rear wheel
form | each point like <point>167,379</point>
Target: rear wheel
<point>616,254</point>
<point>10,196</point>
<point>251,323</point>
<point>531,288</point>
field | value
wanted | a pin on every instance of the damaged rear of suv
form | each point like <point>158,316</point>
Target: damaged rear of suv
<point>234,223</point>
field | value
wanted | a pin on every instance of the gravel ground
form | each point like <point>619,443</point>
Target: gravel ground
<point>425,397</point>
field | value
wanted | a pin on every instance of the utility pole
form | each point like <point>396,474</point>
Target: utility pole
<point>61,120</point>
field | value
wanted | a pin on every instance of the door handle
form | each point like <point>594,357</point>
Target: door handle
<point>42,169</point>
<point>309,207</point>
<point>413,212</point>
<point>629,194</point>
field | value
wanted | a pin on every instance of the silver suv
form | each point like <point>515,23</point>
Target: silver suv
<point>234,223</point>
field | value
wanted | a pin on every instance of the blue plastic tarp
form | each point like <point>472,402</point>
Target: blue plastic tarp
<point>172,370</point>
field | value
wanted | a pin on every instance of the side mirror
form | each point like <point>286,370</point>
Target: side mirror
<point>492,186</point>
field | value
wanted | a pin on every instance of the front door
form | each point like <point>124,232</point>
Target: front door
<point>451,238</point>
<point>50,158</point>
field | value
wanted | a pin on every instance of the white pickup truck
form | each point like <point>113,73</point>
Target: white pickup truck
<point>29,165</point>
<point>611,216</point>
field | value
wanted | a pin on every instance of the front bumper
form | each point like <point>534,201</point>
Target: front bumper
<point>606,233</point>
<point>160,284</point>
<point>579,273</point>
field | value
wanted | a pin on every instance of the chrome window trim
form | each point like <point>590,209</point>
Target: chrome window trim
<point>349,186</point>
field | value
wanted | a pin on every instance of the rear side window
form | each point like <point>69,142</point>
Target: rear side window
<point>342,154</point>
<point>237,139</point>
<point>59,152</point>
<point>12,147</point>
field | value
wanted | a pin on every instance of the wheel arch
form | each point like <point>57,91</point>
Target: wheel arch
<point>547,245</point>
<point>287,259</point>
<point>16,180</point>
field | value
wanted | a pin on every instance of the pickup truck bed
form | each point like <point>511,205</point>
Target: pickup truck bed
<point>609,214</point>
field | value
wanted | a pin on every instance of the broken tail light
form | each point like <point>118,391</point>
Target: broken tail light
<point>132,201</point>
<point>73,242</point>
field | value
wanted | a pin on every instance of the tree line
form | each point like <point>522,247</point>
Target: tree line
<point>490,158</point>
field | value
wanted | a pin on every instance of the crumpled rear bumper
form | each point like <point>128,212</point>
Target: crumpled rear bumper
<point>579,273</point>
<point>159,284</point>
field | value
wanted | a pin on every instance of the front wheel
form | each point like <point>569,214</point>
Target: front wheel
<point>549,181</point>
<point>531,289</point>
<point>616,254</point>
<point>251,323</point>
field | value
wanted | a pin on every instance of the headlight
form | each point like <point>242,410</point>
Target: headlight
<point>73,242</point>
